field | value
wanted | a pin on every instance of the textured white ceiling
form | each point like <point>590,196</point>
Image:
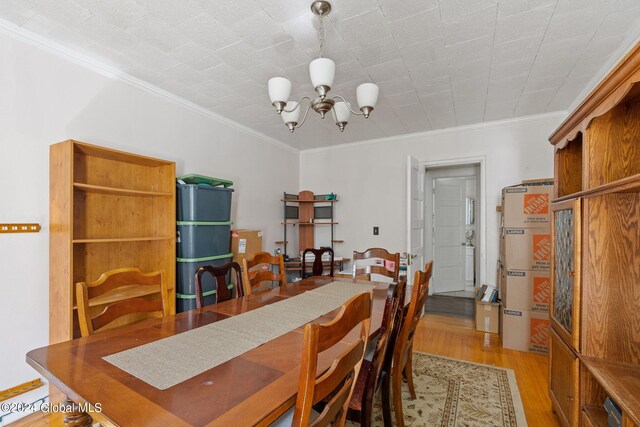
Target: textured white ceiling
<point>439,63</point>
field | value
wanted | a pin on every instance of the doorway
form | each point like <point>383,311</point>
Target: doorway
<point>452,227</point>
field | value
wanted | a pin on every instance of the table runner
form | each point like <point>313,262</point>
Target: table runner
<point>172,360</point>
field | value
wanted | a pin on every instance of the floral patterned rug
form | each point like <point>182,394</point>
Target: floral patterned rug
<point>456,393</point>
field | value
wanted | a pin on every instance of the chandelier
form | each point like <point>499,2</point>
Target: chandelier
<point>322,71</point>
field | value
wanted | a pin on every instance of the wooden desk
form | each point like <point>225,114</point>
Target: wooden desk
<point>254,388</point>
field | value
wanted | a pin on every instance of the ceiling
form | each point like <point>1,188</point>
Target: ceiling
<point>439,63</point>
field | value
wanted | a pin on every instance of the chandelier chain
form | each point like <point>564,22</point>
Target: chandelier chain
<point>321,36</point>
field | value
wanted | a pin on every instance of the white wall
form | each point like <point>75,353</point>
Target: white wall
<point>370,177</point>
<point>45,99</point>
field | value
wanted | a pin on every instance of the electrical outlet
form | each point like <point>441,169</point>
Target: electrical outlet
<point>376,231</point>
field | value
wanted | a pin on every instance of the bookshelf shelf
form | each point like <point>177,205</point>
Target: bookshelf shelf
<point>108,209</point>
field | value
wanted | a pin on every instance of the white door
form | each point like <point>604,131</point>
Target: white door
<point>448,234</point>
<point>415,217</point>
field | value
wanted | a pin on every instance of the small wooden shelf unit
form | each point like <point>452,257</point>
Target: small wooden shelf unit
<point>595,274</point>
<point>300,210</point>
<point>108,209</point>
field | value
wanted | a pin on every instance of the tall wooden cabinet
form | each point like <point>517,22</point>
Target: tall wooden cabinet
<point>108,209</point>
<point>595,304</point>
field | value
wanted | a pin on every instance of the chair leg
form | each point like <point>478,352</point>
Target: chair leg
<point>365,414</point>
<point>396,384</point>
<point>408,373</point>
<point>386,399</point>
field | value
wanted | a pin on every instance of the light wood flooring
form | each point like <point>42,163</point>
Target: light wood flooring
<point>452,337</point>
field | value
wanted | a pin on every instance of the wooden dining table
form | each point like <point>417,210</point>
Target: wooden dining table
<point>254,388</point>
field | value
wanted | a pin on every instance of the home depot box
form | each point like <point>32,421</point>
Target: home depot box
<point>527,249</point>
<point>526,290</point>
<point>525,330</point>
<point>245,244</point>
<point>488,316</point>
<point>527,205</point>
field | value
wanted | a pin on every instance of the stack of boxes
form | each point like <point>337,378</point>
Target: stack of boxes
<point>203,235</point>
<point>525,259</point>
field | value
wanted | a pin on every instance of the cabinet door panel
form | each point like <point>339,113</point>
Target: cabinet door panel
<point>563,381</point>
<point>565,270</point>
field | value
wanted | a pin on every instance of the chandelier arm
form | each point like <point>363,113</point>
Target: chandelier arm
<point>294,109</point>
<point>304,117</point>
<point>347,104</point>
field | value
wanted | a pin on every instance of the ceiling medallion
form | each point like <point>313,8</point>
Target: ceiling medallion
<point>322,71</point>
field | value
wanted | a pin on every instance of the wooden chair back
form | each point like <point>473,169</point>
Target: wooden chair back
<point>223,293</point>
<point>377,253</point>
<point>419,294</point>
<point>125,279</point>
<point>361,406</point>
<point>402,352</point>
<point>317,267</point>
<point>338,381</point>
<point>389,330</point>
<point>253,279</point>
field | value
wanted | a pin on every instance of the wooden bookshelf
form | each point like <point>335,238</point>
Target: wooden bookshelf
<point>594,416</point>
<point>597,174</point>
<point>108,209</point>
<point>122,191</point>
<point>619,381</point>
<point>629,184</point>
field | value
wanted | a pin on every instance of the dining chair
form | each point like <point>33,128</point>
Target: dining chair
<point>403,349</point>
<point>125,280</point>
<point>375,373</point>
<point>221,288</point>
<point>253,279</point>
<point>390,267</point>
<point>338,381</point>
<point>317,267</point>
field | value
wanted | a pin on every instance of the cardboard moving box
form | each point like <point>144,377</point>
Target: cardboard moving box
<point>527,205</point>
<point>527,249</point>
<point>488,316</point>
<point>527,290</point>
<point>245,244</point>
<point>525,330</point>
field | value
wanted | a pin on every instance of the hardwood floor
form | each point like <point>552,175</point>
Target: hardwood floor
<point>452,337</point>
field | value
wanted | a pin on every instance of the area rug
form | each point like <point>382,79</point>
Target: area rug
<point>456,393</point>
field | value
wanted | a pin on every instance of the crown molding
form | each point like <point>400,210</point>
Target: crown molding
<point>16,32</point>
<point>629,42</point>
<point>429,133</point>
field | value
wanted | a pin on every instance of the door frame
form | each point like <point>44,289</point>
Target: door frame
<point>469,161</point>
